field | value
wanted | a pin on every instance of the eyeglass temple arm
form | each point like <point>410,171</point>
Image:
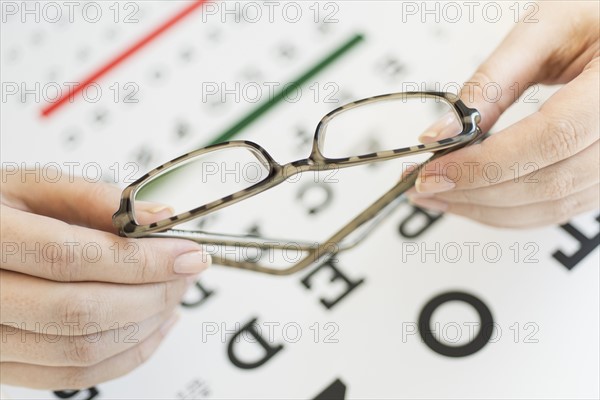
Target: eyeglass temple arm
<point>387,203</point>
<point>237,240</point>
<point>374,214</point>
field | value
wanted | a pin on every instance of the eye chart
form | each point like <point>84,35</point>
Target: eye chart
<point>348,328</point>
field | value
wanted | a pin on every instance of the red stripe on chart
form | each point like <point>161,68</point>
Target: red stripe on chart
<point>104,69</point>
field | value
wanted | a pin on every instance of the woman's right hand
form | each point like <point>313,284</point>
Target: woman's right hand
<point>79,304</point>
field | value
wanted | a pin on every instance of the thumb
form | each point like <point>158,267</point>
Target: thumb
<point>503,77</point>
<point>521,60</point>
<point>75,200</point>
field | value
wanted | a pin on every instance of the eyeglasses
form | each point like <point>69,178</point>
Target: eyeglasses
<point>212,178</point>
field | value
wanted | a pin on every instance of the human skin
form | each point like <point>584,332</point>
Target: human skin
<point>549,161</point>
<point>70,318</point>
<point>561,139</point>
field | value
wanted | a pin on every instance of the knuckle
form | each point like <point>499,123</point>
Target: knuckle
<point>82,351</point>
<point>170,292</point>
<point>560,139</point>
<point>83,311</point>
<point>143,264</point>
<point>90,191</point>
<point>483,171</point>
<point>165,290</point>
<point>63,263</point>
<point>145,271</point>
<point>559,184</point>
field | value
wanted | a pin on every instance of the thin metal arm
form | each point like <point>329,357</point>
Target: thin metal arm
<point>236,240</point>
<point>383,205</point>
<point>368,220</point>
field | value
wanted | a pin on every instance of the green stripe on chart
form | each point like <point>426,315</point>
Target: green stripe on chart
<point>281,94</point>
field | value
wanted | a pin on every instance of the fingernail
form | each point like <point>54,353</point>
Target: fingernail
<point>168,324</point>
<point>153,208</point>
<point>147,212</point>
<point>446,126</point>
<point>423,137</point>
<point>430,204</point>
<point>434,184</point>
<point>192,262</point>
<point>160,207</point>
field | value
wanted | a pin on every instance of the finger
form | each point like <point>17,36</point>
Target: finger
<point>522,60</point>
<point>51,249</point>
<point>551,183</point>
<point>62,378</point>
<point>528,216</point>
<point>564,126</point>
<point>84,305</point>
<point>447,126</point>
<point>55,347</point>
<point>73,199</point>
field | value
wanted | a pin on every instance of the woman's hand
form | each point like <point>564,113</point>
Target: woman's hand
<point>80,305</point>
<point>545,168</point>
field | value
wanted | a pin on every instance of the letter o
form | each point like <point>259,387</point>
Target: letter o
<point>482,338</point>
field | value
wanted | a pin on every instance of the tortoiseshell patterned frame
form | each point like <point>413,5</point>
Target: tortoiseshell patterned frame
<point>124,218</point>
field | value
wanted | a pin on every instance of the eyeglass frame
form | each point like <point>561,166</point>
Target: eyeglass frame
<point>124,218</point>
